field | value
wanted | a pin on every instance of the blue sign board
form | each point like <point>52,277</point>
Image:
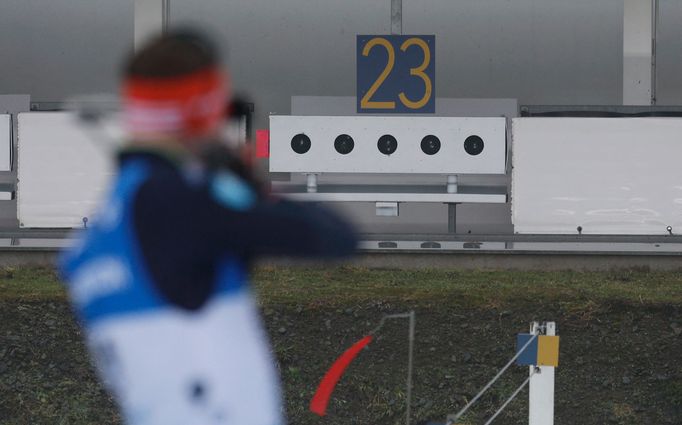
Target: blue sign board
<point>396,74</point>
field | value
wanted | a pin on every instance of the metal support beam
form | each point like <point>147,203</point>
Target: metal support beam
<point>166,15</point>
<point>654,41</point>
<point>152,17</point>
<point>397,17</point>
<point>452,218</point>
<point>639,39</point>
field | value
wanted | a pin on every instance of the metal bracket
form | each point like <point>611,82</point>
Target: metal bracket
<point>311,184</point>
<point>387,209</point>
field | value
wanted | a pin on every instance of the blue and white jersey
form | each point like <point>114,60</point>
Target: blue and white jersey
<point>160,283</point>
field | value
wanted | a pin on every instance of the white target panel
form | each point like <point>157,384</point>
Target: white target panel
<point>396,145</point>
<point>63,172</point>
<point>604,175</point>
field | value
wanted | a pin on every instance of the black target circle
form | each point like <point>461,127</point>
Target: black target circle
<point>344,144</point>
<point>300,143</point>
<point>430,144</point>
<point>473,145</point>
<point>387,144</point>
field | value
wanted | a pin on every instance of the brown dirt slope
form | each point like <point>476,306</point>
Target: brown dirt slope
<point>620,361</point>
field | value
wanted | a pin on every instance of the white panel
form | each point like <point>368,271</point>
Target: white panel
<point>5,143</point>
<point>408,158</point>
<point>62,172</point>
<point>609,176</point>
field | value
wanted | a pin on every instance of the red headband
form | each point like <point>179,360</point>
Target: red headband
<point>187,106</point>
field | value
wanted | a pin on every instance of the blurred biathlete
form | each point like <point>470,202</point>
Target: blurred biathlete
<point>159,280</point>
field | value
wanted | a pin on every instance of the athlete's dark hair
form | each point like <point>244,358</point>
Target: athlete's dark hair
<point>176,53</point>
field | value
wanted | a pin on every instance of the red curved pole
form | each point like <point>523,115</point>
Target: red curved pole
<point>320,400</point>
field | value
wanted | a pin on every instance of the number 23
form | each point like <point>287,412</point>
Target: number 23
<point>366,103</point>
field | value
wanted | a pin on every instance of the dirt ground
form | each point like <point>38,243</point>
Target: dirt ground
<point>620,361</point>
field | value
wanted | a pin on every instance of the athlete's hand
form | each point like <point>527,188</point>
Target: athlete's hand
<point>219,157</point>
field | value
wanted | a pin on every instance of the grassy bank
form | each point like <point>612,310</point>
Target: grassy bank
<point>620,349</point>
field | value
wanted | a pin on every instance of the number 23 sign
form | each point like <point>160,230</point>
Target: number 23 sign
<point>396,73</point>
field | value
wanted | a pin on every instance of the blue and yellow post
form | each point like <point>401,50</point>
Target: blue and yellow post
<point>542,357</point>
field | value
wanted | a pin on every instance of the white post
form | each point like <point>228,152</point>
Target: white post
<point>638,54</point>
<point>150,19</point>
<point>541,387</point>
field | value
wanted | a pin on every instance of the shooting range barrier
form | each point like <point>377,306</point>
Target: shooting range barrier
<point>62,172</point>
<point>580,187</point>
<point>400,146</point>
<point>615,176</point>
<point>593,176</point>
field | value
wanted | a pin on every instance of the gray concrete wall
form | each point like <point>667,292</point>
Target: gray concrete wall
<point>669,56</point>
<point>538,51</point>
<point>52,49</point>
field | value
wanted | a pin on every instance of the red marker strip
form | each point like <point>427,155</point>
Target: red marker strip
<point>320,400</point>
<point>262,143</point>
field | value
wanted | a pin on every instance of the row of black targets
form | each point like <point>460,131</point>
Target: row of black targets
<point>387,144</point>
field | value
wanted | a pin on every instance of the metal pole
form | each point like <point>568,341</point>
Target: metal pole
<point>654,40</point>
<point>166,16</point>
<point>637,51</point>
<point>149,20</point>
<point>410,353</point>
<point>397,17</point>
<point>452,218</point>
<point>410,359</point>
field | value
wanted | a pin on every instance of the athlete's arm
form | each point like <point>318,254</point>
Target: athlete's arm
<point>200,215</point>
<point>183,229</point>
